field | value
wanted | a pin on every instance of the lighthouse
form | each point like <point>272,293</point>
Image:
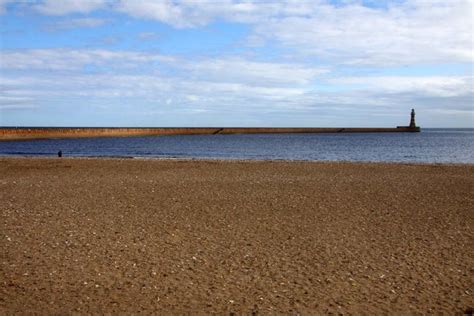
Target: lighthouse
<point>412,127</point>
<point>412,119</point>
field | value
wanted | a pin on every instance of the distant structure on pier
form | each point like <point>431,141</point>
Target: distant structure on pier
<point>412,119</point>
<point>412,127</point>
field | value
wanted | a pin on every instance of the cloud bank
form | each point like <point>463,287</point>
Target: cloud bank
<point>328,57</point>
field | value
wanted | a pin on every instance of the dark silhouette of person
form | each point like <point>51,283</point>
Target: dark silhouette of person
<point>60,153</point>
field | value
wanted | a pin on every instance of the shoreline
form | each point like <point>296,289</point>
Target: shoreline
<point>162,236</point>
<point>235,160</point>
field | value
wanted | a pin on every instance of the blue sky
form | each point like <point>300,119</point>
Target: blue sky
<point>236,63</point>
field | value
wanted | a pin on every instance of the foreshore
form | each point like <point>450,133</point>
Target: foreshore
<point>180,236</point>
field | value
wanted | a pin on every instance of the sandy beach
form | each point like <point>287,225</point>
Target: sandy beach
<point>163,236</point>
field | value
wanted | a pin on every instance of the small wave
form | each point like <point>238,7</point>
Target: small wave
<point>23,153</point>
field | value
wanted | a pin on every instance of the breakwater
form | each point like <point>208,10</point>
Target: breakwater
<point>18,133</point>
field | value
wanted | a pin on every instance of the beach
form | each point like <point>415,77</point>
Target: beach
<point>262,237</point>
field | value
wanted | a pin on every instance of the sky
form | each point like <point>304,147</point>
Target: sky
<point>269,63</point>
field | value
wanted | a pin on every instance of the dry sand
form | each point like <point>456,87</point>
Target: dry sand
<point>123,235</point>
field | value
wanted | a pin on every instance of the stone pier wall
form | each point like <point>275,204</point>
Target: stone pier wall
<point>18,133</point>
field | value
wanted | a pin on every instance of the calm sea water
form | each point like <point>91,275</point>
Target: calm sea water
<point>431,146</point>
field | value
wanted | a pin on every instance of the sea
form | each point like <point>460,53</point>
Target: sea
<point>428,146</point>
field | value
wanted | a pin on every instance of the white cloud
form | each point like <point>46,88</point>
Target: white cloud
<point>74,23</point>
<point>229,70</point>
<point>62,7</point>
<point>75,59</point>
<point>252,72</point>
<point>148,35</point>
<point>165,11</point>
<point>139,73</point>
<point>188,13</point>
<point>173,94</point>
<point>401,33</point>
<point>10,100</point>
<point>207,83</point>
<point>404,33</point>
<point>442,86</point>
<point>3,4</point>
<point>191,13</point>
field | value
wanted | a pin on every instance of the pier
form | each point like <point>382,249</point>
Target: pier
<point>19,133</point>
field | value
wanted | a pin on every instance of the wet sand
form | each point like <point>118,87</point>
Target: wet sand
<point>127,235</point>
